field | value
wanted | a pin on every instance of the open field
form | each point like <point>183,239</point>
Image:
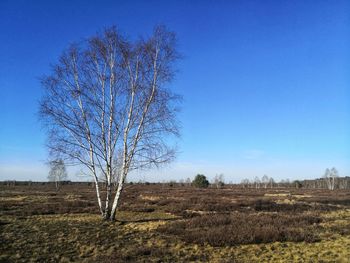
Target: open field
<point>162,223</point>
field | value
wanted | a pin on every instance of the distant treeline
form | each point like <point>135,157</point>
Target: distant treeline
<point>331,183</point>
<point>15,182</point>
<point>339,183</point>
<point>319,183</point>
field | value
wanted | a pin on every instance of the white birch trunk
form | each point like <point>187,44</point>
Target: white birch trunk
<point>117,197</point>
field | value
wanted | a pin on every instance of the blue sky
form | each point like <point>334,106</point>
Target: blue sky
<point>266,84</point>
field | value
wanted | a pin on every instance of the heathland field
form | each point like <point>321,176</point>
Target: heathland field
<point>174,223</point>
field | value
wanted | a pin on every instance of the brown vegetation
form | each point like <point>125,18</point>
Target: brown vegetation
<point>245,228</point>
<point>171,224</point>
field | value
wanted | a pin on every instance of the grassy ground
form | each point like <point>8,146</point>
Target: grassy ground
<point>155,225</point>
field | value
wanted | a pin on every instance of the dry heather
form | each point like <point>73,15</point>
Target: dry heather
<point>159,223</point>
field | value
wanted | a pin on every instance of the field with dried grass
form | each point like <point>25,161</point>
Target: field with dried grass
<point>174,223</point>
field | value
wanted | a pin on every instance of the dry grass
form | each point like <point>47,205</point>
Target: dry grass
<point>158,223</point>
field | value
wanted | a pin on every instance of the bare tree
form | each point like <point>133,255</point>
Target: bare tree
<point>343,183</point>
<point>288,184</point>
<point>188,181</point>
<point>219,180</point>
<point>284,183</point>
<point>257,182</point>
<point>245,183</point>
<point>182,182</point>
<point>265,180</point>
<point>57,173</point>
<point>331,177</point>
<point>107,107</point>
<point>327,178</point>
<point>335,176</point>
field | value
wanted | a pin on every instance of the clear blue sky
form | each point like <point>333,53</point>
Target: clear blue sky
<point>266,83</point>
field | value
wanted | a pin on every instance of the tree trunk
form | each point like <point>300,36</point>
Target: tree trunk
<point>98,197</point>
<point>116,198</point>
<point>107,211</point>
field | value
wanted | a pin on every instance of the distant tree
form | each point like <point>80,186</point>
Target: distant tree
<point>182,182</point>
<point>57,173</point>
<point>285,183</point>
<point>271,182</point>
<point>219,180</point>
<point>335,176</point>
<point>265,180</point>
<point>331,176</point>
<point>257,182</point>
<point>188,181</point>
<point>200,181</point>
<point>298,184</point>
<point>172,183</point>
<point>288,184</point>
<point>245,183</point>
<point>344,182</point>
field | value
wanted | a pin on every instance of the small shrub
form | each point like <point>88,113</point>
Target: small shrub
<point>200,181</point>
<point>172,183</point>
